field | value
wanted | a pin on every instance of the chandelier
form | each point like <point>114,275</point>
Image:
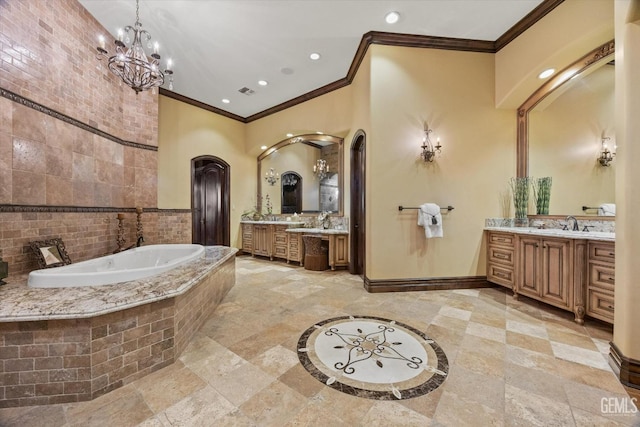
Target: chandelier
<point>271,177</point>
<point>321,168</point>
<point>131,64</point>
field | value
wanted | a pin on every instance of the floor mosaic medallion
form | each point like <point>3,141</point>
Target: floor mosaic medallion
<point>373,357</point>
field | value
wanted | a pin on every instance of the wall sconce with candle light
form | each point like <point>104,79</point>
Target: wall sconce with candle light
<point>428,150</point>
<point>272,176</point>
<point>606,155</point>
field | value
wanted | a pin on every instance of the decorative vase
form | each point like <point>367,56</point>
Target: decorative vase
<point>256,216</point>
<point>520,190</point>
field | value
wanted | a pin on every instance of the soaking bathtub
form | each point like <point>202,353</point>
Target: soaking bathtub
<point>133,264</point>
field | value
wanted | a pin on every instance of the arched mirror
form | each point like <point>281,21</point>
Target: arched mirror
<point>562,130</point>
<point>309,175</point>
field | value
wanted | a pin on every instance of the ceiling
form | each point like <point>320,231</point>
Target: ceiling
<point>221,46</point>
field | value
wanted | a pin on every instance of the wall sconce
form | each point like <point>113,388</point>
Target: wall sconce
<point>321,169</point>
<point>606,155</point>
<point>271,177</point>
<point>428,150</point>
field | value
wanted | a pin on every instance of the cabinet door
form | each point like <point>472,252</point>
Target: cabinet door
<point>341,251</point>
<point>528,267</point>
<point>261,240</point>
<point>280,241</point>
<point>247,238</point>
<point>294,249</point>
<point>556,271</point>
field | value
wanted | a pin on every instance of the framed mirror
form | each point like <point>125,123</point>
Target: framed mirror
<point>562,130</point>
<point>302,174</point>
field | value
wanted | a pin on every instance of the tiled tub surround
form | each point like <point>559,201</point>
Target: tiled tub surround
<point>74,344</point>
<point>86,235</point>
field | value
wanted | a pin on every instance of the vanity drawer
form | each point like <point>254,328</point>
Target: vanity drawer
<point>502,239</point>
<point>600,305</point>
<point>602,276</point>
<point>500,274</point>
<point>501,255</point>
<point>602,251</point>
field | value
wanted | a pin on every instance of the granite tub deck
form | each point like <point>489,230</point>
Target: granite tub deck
<point>74,344</point>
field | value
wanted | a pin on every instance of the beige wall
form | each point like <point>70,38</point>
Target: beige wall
<point>572,29</point>
<point>565,140</point>
<point>627,297</point>
<point>453,92</point>
<point>186,132</point>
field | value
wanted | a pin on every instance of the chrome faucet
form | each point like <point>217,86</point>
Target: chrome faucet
<point>575,223</point>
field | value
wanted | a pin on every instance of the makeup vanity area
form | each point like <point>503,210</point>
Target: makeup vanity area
<point>302,173</point>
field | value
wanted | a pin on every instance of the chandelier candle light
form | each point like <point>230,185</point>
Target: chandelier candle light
<point>131,64</point>
<point>321,168</point>
<point>606,155</point>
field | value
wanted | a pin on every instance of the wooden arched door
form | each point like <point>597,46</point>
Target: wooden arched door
<point>210,178</point>
<point>357,216</point>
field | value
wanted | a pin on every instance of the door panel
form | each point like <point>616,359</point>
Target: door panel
<point>210,201</point>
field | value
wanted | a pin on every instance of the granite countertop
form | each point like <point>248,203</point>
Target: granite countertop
<point>22,303</point>
<point>554,232</point>
<point>317,231</point>
<point>246,221</point>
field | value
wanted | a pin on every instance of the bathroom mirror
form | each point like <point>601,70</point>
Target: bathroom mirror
<point>561,128</point>
<point>297,187</point>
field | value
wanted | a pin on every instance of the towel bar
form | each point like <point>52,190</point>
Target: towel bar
<point>587,208</point>
<point>448,208</point>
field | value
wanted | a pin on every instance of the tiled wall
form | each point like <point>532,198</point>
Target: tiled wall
<point>48,56</point>
<point>86,235</point>
<point>71,135</point>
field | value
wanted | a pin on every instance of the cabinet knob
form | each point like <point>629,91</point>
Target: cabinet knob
<point>610,307</point>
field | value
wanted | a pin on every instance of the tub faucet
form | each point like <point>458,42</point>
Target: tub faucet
<point>139,241</point>
<point>575,223</point>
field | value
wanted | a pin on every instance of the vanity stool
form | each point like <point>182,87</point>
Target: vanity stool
<point>315,252</point>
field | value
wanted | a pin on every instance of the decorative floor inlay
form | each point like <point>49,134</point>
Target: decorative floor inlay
<point>372,357</point>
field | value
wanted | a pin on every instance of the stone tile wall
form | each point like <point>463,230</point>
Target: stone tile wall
<point>86,234</point>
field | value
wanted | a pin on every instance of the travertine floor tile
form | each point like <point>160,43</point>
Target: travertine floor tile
<point>511,362</point>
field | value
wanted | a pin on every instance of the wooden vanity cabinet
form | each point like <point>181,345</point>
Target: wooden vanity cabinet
<point>262,240</point>
<point>501,258</point>
<point>545,270</point>
<point>296,249</point>
<point>601,280</point>
<point>279,241</point>
<point>338,250</point>
<point>247,238</point>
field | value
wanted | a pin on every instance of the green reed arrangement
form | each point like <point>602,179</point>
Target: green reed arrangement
<point>520,189</point>
<point>541,194</point>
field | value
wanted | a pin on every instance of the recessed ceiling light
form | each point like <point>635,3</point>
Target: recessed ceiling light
<point>264,147</point>
<point>289,135</point>
<point>314,56</point>
<point>263,82</point>
<point>226,101</point>
<point>546,73</point>
<point>392,17</point>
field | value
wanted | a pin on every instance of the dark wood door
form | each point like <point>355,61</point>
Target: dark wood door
<point>210,201</point>
<point>357,231</point>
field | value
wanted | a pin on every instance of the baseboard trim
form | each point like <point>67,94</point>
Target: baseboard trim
<point>626,369</point>
<point>426,284</point>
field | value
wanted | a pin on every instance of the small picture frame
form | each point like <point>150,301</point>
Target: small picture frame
<point>50,253</point>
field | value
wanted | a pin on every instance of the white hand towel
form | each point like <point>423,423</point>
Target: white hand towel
<point>430,218</point>
<point>607,209</point>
